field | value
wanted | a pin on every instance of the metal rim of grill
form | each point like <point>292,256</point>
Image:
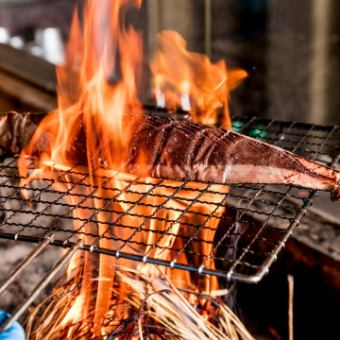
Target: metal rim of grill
<point>248,239</point>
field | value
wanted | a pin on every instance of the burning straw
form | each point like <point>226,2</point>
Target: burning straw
<point>153,308</point>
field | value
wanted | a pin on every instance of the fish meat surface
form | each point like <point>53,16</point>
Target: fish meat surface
<point>181,150</point>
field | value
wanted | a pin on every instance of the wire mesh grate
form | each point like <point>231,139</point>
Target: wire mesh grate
<point>235,232</point>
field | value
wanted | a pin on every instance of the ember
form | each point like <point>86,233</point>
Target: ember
<point>90,133</point>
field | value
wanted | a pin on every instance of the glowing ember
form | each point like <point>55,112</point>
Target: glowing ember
<point>94,115</point>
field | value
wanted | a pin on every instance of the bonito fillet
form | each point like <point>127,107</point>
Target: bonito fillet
<point>181,150</point>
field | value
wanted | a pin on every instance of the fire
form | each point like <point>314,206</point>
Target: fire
<point>90,132</point>
<point>190,81</point>
<point>91,111</point>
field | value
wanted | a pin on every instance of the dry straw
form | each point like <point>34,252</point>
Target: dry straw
<point>152,308</point>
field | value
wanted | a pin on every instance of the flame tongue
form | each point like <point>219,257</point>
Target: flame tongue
<point>190,81</point>
<point>97,88</point>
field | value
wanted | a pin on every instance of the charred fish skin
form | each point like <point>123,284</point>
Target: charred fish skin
<point>16,129</point>
<point>181,150</point>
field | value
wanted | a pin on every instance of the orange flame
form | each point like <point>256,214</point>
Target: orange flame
<point>91,128</point>
<point>88,127</point>
<point>190,81</point>
<point>91,110</point>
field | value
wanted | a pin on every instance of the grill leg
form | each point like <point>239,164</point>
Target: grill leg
<point>17,271</point>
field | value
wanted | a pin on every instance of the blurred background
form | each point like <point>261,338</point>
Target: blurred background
<point>290,49</point>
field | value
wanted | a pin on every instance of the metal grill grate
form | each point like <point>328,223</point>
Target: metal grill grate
<point>234,233</point>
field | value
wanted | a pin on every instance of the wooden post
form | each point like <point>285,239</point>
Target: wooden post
<point>320,60</point>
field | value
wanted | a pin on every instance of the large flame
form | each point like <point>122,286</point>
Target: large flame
<point>97,90</point>
<point>90,132</point>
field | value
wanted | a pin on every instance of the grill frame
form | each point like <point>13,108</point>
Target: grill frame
<point>311,141</point>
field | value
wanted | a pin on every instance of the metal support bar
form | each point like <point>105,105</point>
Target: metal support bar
<point>39,288</point>
<point>17,271</point>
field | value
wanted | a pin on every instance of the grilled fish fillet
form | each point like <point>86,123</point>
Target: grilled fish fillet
<point>181,150</point>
